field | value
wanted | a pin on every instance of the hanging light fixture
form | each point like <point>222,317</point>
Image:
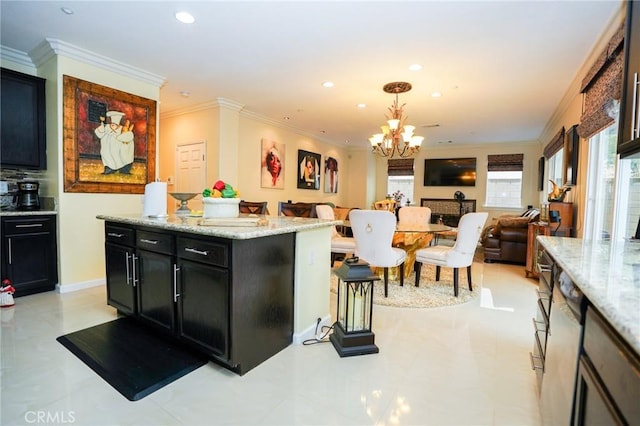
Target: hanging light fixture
<point>397,138</point>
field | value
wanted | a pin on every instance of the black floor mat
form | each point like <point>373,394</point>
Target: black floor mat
<point>134,360</point>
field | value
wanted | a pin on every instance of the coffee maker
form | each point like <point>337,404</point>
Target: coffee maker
<point>27,195</point>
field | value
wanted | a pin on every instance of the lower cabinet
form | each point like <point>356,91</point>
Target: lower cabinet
<point>230,299</point>
<point>608,382</point>
<point>120,262</point>
<point>29,253</point>
<point>203,307</point>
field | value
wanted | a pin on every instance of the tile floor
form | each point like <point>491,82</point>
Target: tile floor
<point>462,365</point>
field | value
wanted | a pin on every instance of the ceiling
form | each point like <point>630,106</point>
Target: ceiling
<point>502,67</point>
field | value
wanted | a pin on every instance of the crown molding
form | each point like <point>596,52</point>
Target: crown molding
<point>51,47</point>
<point>16,56</point>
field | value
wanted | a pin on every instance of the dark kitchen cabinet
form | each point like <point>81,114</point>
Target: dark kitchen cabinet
<point>157,279</point>
<point>629,124</point>
<point>608,382</point>
<point>29,253</point>
<point>121,268</point>
<point>22,130</point>
<point>231,299</point>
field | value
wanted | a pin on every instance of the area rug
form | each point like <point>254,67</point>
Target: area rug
<point>430,294</point>
<point>131,358</point>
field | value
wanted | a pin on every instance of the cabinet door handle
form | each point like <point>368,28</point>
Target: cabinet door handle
<point>535,366</point>
<point>634,112</point>
<point>144,240</point>
<point>9,251</point>
<point>126,262</point>
<point>134,279</point>
<point>536,323</point>
<point>113,234</point>
<point>192,250</point>
<point>176,268</point>
<point>31,225</point>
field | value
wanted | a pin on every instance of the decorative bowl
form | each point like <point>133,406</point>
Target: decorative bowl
<point>220,207</point>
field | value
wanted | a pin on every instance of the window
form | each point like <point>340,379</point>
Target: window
<point>400,178</point>
<point>600,184</point>
<point>628,199</point>
<point>504,189</point>
<point>404,184</point>
<point>504,181</point>
<point>555,168</point>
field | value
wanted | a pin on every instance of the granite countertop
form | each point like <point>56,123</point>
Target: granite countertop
<point>26,213</point>
<point>277,225</point>
<point>609,276</point>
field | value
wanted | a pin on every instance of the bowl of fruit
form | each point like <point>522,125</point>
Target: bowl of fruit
<point>220,201</point>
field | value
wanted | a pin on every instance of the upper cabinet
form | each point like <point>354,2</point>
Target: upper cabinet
<point>22,128</point>
<point>629,126</point>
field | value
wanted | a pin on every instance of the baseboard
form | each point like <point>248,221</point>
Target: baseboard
<point>68,288</point>
<point>309,332</point>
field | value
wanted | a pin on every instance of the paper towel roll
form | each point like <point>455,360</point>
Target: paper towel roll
<point>155,199</point>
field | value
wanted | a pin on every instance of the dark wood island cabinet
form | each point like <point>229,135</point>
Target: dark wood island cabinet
<point>229,298</point>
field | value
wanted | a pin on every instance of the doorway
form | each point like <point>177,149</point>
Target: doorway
<point>190,167</point>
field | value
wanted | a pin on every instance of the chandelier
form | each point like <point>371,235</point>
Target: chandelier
<point>397,138</point>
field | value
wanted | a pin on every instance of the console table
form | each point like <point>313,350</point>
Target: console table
<point>449,209</point>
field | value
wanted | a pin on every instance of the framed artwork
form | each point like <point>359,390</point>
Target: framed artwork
<point>308,170</point>
<point>272,164</point>
<point>331,175</point>
<point>109,139</point>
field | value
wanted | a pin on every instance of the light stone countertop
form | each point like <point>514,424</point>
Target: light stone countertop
<point>277,225</point>
<point>609,276</point>
<point>27,212</point>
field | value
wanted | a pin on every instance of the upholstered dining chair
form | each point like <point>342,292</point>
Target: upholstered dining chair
<point>253,207</point>
<point>340,245</point>
<point>373,231</point>
<point>414,215</point>
<point>297,209</point>
<point>388,205</point>
<point>458,256</point>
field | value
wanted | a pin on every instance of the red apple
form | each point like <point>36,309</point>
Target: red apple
<point>219,185</point>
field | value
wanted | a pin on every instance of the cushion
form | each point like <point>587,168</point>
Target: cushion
<point>510,222</point>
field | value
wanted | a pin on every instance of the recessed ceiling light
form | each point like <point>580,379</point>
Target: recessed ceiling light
<point>67,10</point>
<point>361,105</point>
<point>185,93</point>
<point>327,84</point>
<point>436,95</point>
<point>415,67</point>
<point>286,118</point>
<point>185,17</point>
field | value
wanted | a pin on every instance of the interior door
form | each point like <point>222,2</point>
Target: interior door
<point>190,167</point>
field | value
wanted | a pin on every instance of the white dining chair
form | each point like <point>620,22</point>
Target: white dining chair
<point>460,255</point>
<point>373,231</point>
<point>339,243</point>
<point>410,215</point>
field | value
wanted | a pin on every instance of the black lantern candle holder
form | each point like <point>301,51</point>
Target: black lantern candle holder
<point>352,333</point>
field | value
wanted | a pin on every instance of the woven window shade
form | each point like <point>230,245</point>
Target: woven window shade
<point>505,163</point>
<point>555,145</point>
<point>602,85</point>
<point>400,167</point>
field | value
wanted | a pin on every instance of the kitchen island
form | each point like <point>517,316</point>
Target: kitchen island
<point>238,293</point>
<point>606,373</point>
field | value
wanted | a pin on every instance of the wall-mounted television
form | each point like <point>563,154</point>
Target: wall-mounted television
<point>450,172</point>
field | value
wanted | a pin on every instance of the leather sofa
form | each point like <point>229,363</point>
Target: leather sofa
<point>506,239</point>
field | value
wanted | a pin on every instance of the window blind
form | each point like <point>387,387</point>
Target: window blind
<point>601,86</point>
<point>400,167</point>
<point>505,163</point>
<point>555,145</point>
